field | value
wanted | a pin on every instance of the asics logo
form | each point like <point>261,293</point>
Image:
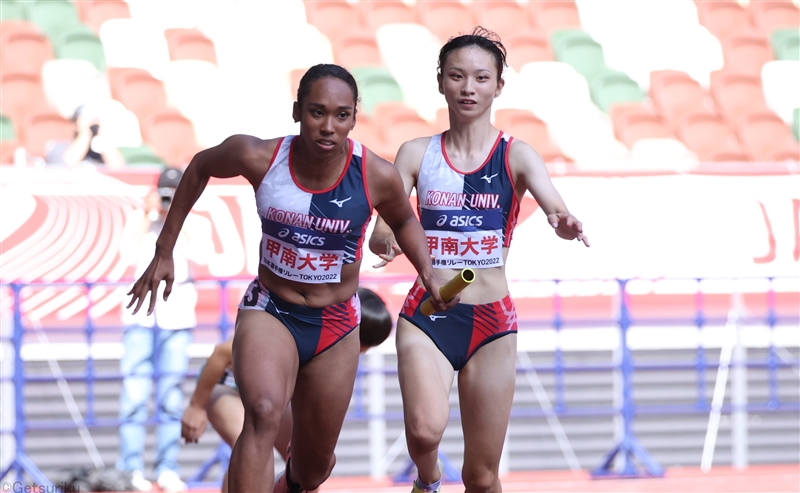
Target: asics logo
<point>442,219</point>
<point>434,317</point>
<point>283,233</point>
<point>340,202</point>
<point>488,178</point>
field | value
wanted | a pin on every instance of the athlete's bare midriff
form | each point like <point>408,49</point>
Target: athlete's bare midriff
<point>312,295</point>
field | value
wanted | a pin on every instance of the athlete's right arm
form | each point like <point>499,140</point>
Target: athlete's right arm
<point>195,418</point>
<point>409,157</point>
<point>239,155</point>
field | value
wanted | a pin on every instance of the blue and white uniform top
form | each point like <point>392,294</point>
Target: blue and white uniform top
<point>468,217</point>
<point>308,235</point>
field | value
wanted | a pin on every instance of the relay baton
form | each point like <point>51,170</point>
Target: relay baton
<point>449,290</point>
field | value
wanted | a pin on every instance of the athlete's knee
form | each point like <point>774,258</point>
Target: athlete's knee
<point>311,474</point>
<point>425,433</point>
<point>264,415</point>
<point>480,480</point>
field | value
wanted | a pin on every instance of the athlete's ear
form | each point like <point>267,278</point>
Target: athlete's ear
<point>439,80</point>
<point>296,112</point>
<point>500,84</point>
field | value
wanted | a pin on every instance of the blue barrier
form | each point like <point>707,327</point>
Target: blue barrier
<point>628,449</point>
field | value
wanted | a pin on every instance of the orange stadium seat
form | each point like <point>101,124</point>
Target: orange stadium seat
<point>23,48</point>
<point>41,127</point>
<point>141,93</point>
<point>531,46</point>
<point>735,94</point>
<point>708,135</point>
<point>442,122</point>
<point>334,19</point>
<point>295,76</point>
<point>399,123</point>
<point>356,50</point>
<point>189,44</point>
<point>368,133</point>
<point>94,13</point>
<point>769,16</point>
<point>634,121</point>
<point>746,53</point>
<point>445,19</point>
<point>376,14</point>
<point>117,74</point>
<point>504,17</point>
<point>552,16</point>
<point>525,126</point>
<point>22,95</point>
<point>766,136</point>
<point>7,150</point>
<point>675,94</point>
<point>172,136</point>
<point>723,19</point>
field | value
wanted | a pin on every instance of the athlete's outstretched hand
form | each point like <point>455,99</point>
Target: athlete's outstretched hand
<point>433,286</point>
<point>567,227</point>
<point>392,251</point>
<point>161,268</point>
<point>193,423</point>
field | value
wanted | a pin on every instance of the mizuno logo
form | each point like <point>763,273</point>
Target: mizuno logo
<point>434,317</point>
<point>488,178</point>
<point>278,310</point>
<point>340,202</point>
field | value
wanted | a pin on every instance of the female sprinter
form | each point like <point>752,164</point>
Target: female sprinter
<point>470,181</point>
<point>216,397</point>
<point>295,330</point>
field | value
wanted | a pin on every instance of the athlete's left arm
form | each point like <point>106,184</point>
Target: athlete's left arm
<point>528,167</point>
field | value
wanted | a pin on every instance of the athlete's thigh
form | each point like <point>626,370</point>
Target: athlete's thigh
<point>486,391</point>
<point>226,413</point>
<point>265,360</point>
<point>321,398</point>
<point>425,375</point>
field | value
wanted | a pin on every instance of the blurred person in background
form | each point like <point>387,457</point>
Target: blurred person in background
<point>155,345</point>
<point>216,398</point>
<point>89,147</point>
<point>470,181</point>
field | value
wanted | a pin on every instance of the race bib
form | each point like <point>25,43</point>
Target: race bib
<point>459,238</point>
<point>301,254</point>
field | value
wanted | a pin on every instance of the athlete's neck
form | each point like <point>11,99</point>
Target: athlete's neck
<point>467,141</point>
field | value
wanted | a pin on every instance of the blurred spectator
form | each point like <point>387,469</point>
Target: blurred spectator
<point>88,146</point>
<point>155,346</point>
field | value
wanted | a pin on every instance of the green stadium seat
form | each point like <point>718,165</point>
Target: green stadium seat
<point>11,10</point>
<point>82,44</point>
<point>612,87</point>
<point>796,123</point>
<point>53,17</point>
<point>142,155</point>
<point>7,131</point>
<point>376,85</point>
<point>786,44</point>
<point>577,48</point>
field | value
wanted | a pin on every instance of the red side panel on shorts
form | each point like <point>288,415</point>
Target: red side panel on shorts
<point>492,319</point>
<point>337,322</point>
<point>413,300</point>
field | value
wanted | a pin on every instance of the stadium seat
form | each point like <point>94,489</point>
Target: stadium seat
<point>356,50</point>
<point>135,43</point>
<point>766,136</point>
<point>23,48</point>
<point>7,132</point>
<point>81,44</point>
<point>612,87</point>
<point>334,19</point>
<point>675,94</point>
<point>397,123</point>
<point>141,155</point>
<point>723,19</point>
<point>368,133</point>
<point>735,94</point>
<point>184,13</point>
<point>528,47</point>
<point>525,126</point>
<point>746,53</point>
<point>553,16</point>
<point>376,14</point>
<point>69,83</point>
<point>120,126</point>
<point>504,18</point>
<point>769,16</point>
<point>442,122</point>
<point>636,122</point>
<point>141,93</point>
<point>558,92</point>
<point>13,10</point>
<point>376,85</point>
<point>796,123</point>
<point>171,135</point>
<point>41,127</point>
<point>54,18</point>
<point>786,44</point>
<point>22,95</point>
<point>781,80</point>
<point>8,148</point>
<point>709,136</point>
<point>94,13</point>
<point>197,89</point>
<point>189,44</point>
<point>578,49</point>
<point>662,152</point>
<point>117,74</point>
<point>445,19</point>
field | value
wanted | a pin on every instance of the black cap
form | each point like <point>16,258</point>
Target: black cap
<point>168,181</point>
